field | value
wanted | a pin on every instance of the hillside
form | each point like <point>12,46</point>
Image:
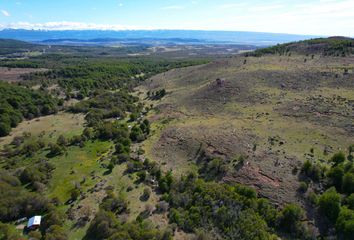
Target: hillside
<point>114,146</point>
<point>333,46</point>
<point>262,116</point>
<point>9,46</point>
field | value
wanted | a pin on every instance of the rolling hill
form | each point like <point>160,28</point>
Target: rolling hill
<point>232,146</point>
<point>9,46</point>
<point>333,46</point>
<point>201,37</point>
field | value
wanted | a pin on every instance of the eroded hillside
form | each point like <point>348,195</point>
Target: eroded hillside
<point>272,112</point>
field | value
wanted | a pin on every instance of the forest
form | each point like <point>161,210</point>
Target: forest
<point>18,103</point>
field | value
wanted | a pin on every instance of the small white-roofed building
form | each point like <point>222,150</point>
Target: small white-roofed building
<point>34,222</point>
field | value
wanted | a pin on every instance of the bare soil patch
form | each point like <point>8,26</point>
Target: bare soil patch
<point>14,74</point>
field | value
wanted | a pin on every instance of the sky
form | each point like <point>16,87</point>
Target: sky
<point>311,17</point>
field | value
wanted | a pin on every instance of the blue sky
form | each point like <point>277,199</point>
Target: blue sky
<point>314,17</point>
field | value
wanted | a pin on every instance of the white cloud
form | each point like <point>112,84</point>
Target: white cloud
<point>318,17</point>
<point>321,17</point>
<point>68,26</point>
<point>120,4</point>
<point>5,13</point>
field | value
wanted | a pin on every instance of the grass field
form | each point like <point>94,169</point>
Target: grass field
<point>85,167</point>
<point>52,126</point>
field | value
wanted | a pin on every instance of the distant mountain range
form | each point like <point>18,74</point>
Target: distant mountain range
<point>155,37</point>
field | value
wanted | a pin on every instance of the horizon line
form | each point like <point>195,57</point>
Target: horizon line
<point>164,29</point>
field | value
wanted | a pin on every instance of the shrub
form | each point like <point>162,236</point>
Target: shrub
<point>110,166</point>
<point>5,129</point>
<point>30,148</point>
<point>162,206</point>
<point>136,134</point>
<point>39,172</point>
<point>351,149</point>
<point>141,176</point>
<point>165,182</point>
<point>8,232</point>
<point>329,204</point>
<point>348,183</point>
<point>350,201</point>
<point>345,224</point>
<point>338,158</point>
<point>75,193</point>
<point>146,194</point>
<point>133,117</point>
<point>55,150</point>
<point>290,218</point>
<point>56,232</point>
<point>312,197</point>
<point>113,203</point>
<point>267,211</point>
<point>88,133</point>
<point>62,141</point>
<point>54,217</point>
<point>312,171</point>
<point>76,140</point>
<point>122,149</point>
<point>303,187</point>
<point>105,225</point>
<point>335,176</point>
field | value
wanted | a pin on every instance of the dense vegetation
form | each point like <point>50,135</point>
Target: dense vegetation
<point>230,211</point>
<point>17,103</point>
<point>9,46</point>
<point>104,105</point>
<point>17,202</point>
<point>85,74</point>
<point>335,46</point>
<point>336,203</point>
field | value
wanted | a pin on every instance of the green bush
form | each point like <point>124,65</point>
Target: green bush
<point>348,183</point>
<point>303,187</point>
<point>345,224</point>
<point>329,204</point>
<point>338,158</point>
<point>56,232</point>
<point>312,171</point>
<point>290,218</point>
<point>350,201</point>
<point>75,194</point>
<point>105,225</point>
<point>55,150</point>
<point>335,175</point>
<point>8,232</point>
<point>312,197</point>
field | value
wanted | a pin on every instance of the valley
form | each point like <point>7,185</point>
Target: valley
<point>193,143</point>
